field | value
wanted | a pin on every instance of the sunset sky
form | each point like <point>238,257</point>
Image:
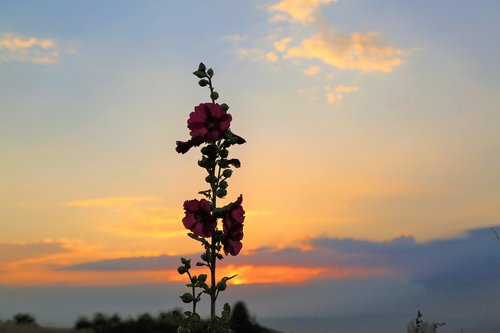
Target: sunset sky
<point>372,158</point>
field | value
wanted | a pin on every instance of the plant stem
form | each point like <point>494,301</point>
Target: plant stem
<point>212,279</point>
<point>213,257</point>
<point>194,291</point>
<point>211,88</point>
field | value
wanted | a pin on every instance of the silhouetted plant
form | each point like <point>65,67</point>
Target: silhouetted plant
<point>209,127</point>
<point>99,322</point>
<point>421,326</point>
<point>496,234</point>
<point>24,319</point>
<point>83,323</point>
<point>145,323</point>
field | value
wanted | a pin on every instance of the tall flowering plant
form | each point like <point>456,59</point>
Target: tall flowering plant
<point>219,229</point>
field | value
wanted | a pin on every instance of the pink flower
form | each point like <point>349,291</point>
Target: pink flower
<point>199,218</point>
<point>232,224</point>
<point>208,122</point>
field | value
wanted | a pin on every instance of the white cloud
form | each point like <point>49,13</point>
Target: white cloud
<point>27,49</point>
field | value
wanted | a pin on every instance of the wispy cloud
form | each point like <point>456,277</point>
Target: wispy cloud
<point>335,95</point>
<point>302,11</point>
<point>303,38</point>
<point>367,52</point>
<point>110,201</point>
<point>15,47</point>
<point>281,44</point>
<point>17,251</point>
<point>432,264</point>
<point>313,70</point>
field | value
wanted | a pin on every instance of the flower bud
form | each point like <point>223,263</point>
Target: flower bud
<point>204,256</point>
<point>224,163</point>
<point>224,106</point>
<point>221,193</point>
<point>227,173</point>
<point>181,269</point>
<point>223,153</point>
<point>210,151</point>
<point>222,285</point>
<point>187,298</point>
<point>203,82</point>
<point>210,179</point>
<point>223,184</point>
<point>214,95</point>
<point>210,72</point>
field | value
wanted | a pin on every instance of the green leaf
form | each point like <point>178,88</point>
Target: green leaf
<point>225,278</point>
<point>200,74</point>
<point>206,193</point>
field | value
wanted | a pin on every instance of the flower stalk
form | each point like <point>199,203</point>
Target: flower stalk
<point>209,126</point>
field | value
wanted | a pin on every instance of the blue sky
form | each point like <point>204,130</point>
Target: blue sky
<point>366,122</point>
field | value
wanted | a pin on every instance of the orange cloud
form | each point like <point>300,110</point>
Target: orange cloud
<point>253,274</point>
<point>341,88</point>
<point>313,70</point>
<point>110,201</point>
<point>364,52</point>
<point>271,56</point>
<point>334,96</point>
<point>280,45</point>
<point>27,49</point>
<point>302,11</point>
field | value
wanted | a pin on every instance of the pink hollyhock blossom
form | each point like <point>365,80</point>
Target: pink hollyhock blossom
<point>199,218</point>
<point>208,122</point>
<point>233,227</point>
